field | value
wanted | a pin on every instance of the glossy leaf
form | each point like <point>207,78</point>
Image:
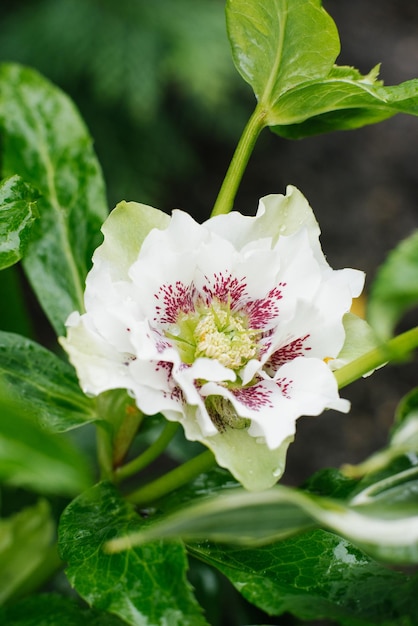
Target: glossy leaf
<point>316,575</point>
<point>278,44</point>
<point>336,103</point>
<point>51,610</point>
<point>46,143</point>
<point>46,385</point>
<point>33,458</point>
<point>244,518</point>
<point>395,288</point>
<point>144,585</point>
<point>17,214</point>
<point>27,551</point>
<point>286,50</point>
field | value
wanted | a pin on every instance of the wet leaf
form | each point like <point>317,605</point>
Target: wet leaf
<point>17,214</point>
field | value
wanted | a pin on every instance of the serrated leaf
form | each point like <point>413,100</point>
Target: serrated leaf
<point>46,385</point>
<point>51,609</point>
<point>395,288</point>
<point>47,144</point>
<point>144,585</point>
<point>17,214</point>
<point>27,550</point>
<point>317,575</point>
<point>38,460</point>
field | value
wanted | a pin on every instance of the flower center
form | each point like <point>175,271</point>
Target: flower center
<point>217,333</point>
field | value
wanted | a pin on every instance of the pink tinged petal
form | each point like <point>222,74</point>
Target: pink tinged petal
<point>173,299</point>
<point>264,311</point>
<point>296,348</point>
<point>224,287</point>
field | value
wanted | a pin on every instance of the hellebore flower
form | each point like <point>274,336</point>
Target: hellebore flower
<point>229,327</point>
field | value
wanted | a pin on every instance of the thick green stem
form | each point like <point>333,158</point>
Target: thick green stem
<point>395,349</point>
<point>173,480</point>
<point>227,193</point>
<point>150,454</point>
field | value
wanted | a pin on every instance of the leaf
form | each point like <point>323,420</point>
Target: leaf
<point>278,44</point>
<point>339,104</point>
<point>51,609</point>
<point>395,288</point>
<point>46,385</point>
<point>316,575</point>
<point>27,551</point>
<point>47,144</point>
<point>35,459</point>
<point>17,214</point>
<point>144,585</point>
<point>240,517</point>
<point>286,49</point>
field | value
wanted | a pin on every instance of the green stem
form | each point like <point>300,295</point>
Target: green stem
<point>395,349</point>
<point>227,193</point>
<point>150,454</point>
<point>173,480</point>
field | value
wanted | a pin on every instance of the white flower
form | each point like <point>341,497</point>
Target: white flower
<point>228,327</point>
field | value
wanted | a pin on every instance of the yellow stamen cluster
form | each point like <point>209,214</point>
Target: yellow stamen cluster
<point>224,336</point>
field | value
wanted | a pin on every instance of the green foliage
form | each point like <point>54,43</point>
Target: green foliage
<point>46,143</point>
<point>36,459</point>
<point>50,610</point>
<point>142,585</point>
<point>145,74</point>
<point>244,518</point>
<point>395,289</point>
<point>316,575</point>
<point>47,384</point>
<point>286,51</point>
<point>28,552</point>
<point>17,214</point>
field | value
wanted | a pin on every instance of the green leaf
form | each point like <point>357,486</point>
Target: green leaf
<point>335,103</point>
<point>50,610</point>
<point>15,317</point>
<point>286,50</point>
<point>46,385</point>
<point>316,575</point>
<point>17,214</point>
<point>278,44</point>
<point>28,552</point>
<point>246,518</point>
<point>144,585</point>
<point>395,288</point>
<point>33,458</point>
<point>47,144</point>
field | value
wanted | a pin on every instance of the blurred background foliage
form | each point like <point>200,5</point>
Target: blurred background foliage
<point>152,80</point>
<point>156,85</point>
